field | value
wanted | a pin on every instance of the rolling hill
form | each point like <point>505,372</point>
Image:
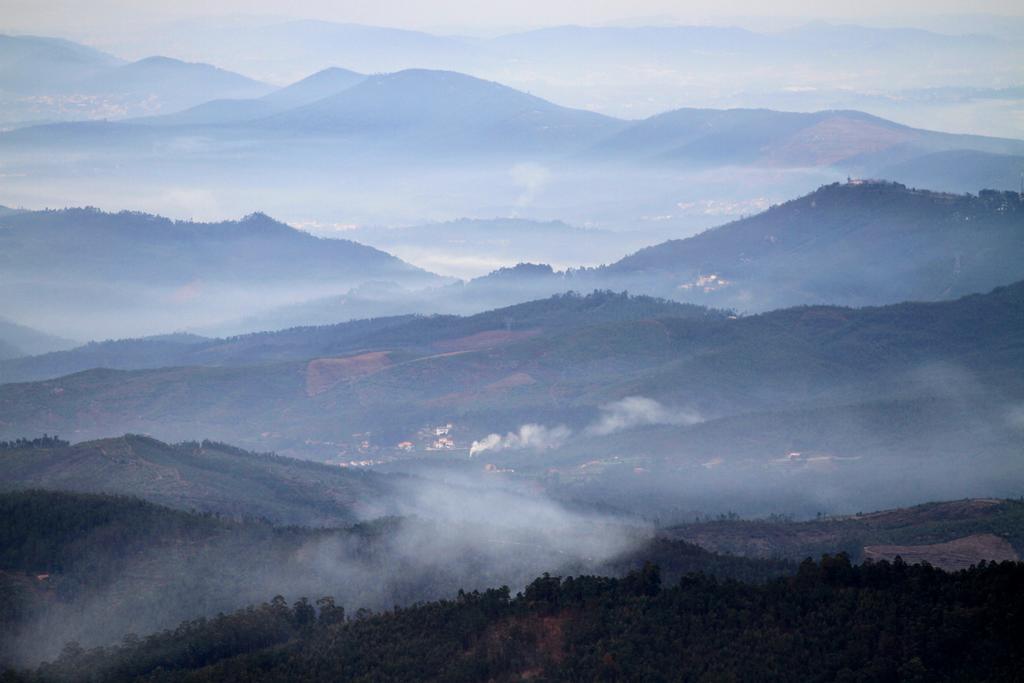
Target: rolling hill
<point>955,169</point>
<point>175,83</point>
<point>859,243</point>
<point>208,477</point>
<point>491,150</point>
<point>854,244</point>
<point>924,527</point>
<point>322,84</point>
<point>83,270</point>
<point>406,333</point>
<point>19,340</point>
<point>39,64</point>
<point>159,565</point>
<point>830,620</point>
<point>845,139</point>
<point>443,110</point>
<point>768,379</point>
<point>48,79</point>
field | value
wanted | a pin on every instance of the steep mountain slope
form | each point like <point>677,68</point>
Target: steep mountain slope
<point>64,267</point>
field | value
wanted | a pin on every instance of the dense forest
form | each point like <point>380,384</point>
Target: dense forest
<point>91,568</point>
<point>830,621</point>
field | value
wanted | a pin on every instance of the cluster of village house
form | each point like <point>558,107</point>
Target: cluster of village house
<point>434,438</point>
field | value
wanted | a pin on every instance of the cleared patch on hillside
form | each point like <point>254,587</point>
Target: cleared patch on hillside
<point>484,340</point>
<point>323,374</point>
<point>516,379</point>
<point>960,553</point>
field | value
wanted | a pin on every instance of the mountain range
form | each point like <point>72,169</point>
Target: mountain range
<point>343,148</point>
<point>48,79</point>
<point>445,108</point>
<point>621,70</point>
<point>857,243</point>
<point>569,348</point>
<point>311,89</point>
<point>711,398</point>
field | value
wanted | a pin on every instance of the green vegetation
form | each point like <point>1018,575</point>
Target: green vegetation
<point>45,441</point>
<point>207,476</point>
<point>92,568</point>
<point>832,621</point>
<point>412,334</point>
<point>919,525</point>
<point>820,356</point>
<point>853,244</point>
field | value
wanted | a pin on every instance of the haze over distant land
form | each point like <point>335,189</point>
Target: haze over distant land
<point>511,341</point>
<point>78,272</point>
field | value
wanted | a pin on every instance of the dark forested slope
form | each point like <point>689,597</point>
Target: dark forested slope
<point>205,476</point>
<point>831,621</point>
<point>852,244</point>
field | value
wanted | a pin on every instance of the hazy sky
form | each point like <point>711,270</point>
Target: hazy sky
<point>111,16</point>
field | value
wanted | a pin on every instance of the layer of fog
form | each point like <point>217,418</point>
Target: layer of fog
<point>632,208</point>
<point>937,431</point>
<point>457,533</point>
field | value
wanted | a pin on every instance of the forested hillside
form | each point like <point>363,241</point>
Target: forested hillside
<point>93,274</point>
<point>804,365</point>
<point>854,244</point>
<point>418,334</point>
<point>206,476</point>
<point>831,621</point>
<point>90,568</point>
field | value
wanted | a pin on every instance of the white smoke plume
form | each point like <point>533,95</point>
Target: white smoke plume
<point>535,436</point>
<point>632,411</point>
<point>531,177</point>
<point>638,411</point>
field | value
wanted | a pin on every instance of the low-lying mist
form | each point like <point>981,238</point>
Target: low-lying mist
<point>459,532</point>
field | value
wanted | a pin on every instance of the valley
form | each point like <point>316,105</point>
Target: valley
<point>511,342</point>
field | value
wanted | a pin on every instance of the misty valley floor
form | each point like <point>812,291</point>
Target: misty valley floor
<point>675,348</point>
